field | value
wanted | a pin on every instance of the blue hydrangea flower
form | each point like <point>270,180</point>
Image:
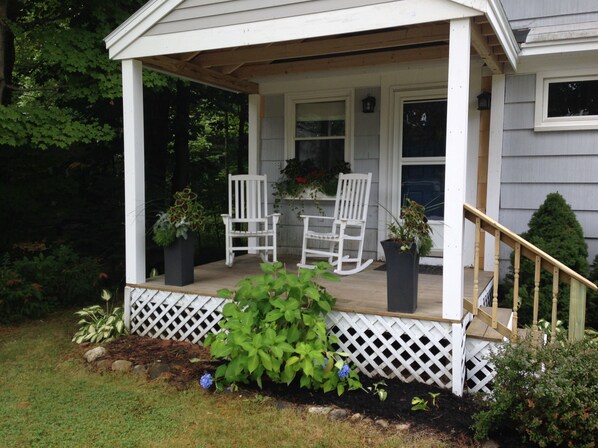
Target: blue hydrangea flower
<point>325,362</point>
<point>206,381</point>
<point>344,371</point>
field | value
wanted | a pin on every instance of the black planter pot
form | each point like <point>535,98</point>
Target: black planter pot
<point>402,270</point>
<point>178,261</point>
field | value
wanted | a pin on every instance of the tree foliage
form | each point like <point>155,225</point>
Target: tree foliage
<point>554,229</point>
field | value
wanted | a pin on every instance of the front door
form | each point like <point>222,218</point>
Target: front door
<point>420,142</point>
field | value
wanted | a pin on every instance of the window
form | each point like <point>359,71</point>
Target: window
<point>566,101</point>
<point>318,128</point>
<point>423,154</point>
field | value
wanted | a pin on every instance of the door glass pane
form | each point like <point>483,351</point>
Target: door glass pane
<point>575,98</point>
<point>424,184</point>
<point>424,128</point>
<point>324,119</point>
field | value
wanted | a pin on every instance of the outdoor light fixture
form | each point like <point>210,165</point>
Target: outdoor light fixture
<point>484,100</point>
<point>369,104</point>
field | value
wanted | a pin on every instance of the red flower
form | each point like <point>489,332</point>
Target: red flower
<point>301,180</point>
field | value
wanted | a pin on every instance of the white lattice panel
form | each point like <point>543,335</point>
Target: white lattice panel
<point>412,350</point>
<point>480,371</point>
<point>485,297</point>
<point>174,315</point>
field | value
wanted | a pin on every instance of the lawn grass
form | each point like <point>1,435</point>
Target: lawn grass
<point>49,398</point>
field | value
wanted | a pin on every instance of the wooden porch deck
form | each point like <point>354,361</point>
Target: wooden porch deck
<point>359,293</point>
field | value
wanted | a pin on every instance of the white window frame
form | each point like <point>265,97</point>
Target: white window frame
<point>541,120</point>
<point>292,99</point>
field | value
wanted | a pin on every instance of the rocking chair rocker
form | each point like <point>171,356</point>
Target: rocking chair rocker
<point>348,224</point>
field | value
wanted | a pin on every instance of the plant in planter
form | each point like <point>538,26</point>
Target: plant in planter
<point>409,237</point>
<point>304,180</point>
<point>175,230</point>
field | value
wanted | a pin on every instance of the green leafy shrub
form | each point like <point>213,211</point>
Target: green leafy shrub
<point>275,326</point>
<point>547,396</point>
<point>99,325</point>
<point>65,277</point>
<point>554,229</point>
<point>18,297</point>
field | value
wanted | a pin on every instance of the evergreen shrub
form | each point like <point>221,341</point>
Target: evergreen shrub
<point>554,229</point>
<point>547,396</point>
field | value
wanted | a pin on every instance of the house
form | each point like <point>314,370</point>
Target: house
<point>425,62</point>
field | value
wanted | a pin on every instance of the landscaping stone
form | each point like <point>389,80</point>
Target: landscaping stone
<point>140,369</point>
<point>322,410</point>
<point>356,417</point>
<point>94,354</point>
<point>157,369</point>
<point>490,444</point>
<point>122,365</point>
<point>281,404</point>
<point>402,427</point>
<point>382,422</point>
<point>338,414</point>
<point>104,365</point>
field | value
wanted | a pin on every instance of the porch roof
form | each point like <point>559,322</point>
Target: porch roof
<point>232,44</point>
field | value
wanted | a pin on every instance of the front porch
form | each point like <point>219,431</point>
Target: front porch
<point>363,293</point>
<point>421,347</point>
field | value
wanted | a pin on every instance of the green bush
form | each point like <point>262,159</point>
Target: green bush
<point>65,277</point>
<point>547,396</point>
<point>554,229</point>
<point>19,298</point>
<point>275,326</point>
<point>32,287</point>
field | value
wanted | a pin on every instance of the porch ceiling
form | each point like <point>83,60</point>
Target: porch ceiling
<point>238,68</point>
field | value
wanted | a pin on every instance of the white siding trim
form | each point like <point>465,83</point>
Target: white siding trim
<point>365,18</point>
<point>494,163</point>
<point>132,85</point>
<point>456,166</point>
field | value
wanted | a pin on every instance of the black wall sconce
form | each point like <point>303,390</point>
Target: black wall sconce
<point>484,101</point>
<point>369,104</point>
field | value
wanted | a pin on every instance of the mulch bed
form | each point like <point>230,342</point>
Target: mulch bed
<point>453,415</point>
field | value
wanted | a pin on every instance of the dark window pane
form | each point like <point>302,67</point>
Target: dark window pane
<point>424,129</point>
<point>424,184</point>
<point>330,128</point>
<point>324,153</point>
<point>320,119</point>
<point>569,99</point>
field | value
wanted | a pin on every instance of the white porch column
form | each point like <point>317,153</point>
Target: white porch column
<point>456,171</point>
<point>134,171</point>
<point>494,163</point>
<point>253,122</point>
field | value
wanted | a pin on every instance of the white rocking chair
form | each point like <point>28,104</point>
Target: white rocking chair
<point>248,217</point>
<point>348,224</point>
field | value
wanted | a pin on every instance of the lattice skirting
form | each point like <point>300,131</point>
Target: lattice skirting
<point>409,349</point>
<point>480,371</point>
<point>173,315</point>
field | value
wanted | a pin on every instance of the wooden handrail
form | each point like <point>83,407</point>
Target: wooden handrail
<point>528,249</point>
<point>542,260</point>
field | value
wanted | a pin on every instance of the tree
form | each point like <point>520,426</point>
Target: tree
<point>554,229</point>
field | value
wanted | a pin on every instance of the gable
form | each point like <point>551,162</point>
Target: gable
<point>178,26</point>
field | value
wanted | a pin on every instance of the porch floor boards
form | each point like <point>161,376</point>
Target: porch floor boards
<point>364,292</point>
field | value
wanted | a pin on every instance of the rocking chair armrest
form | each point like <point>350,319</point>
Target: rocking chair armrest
<point>275,217</point>
<point>317,217</point>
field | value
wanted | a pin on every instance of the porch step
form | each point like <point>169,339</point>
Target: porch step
<point>480,327</point>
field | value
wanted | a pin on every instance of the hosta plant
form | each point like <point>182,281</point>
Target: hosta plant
<point>274,327</point>
<point>98,324</point>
